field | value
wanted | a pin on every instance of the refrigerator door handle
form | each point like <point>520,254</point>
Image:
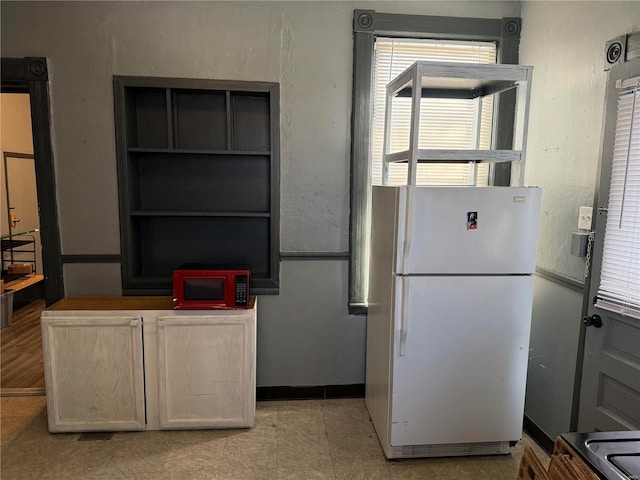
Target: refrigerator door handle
<point>404,316</point>
<point>408,229</point>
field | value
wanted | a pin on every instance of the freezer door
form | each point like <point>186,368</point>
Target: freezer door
<point>460,359</point>
<point>467,230</point>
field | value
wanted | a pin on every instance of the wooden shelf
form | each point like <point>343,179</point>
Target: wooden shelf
<point>23,282</point>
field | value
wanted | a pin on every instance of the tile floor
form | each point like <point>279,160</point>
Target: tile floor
<point>308,440</point>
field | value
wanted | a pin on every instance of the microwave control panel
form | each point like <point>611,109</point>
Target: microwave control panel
<point>242,298</point>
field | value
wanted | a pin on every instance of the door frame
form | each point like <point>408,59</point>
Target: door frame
<point>30,75</point>
<point>617,55</point>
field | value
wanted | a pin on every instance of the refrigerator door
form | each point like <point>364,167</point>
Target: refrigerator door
<point>460,359</point>
<point>467,230</point>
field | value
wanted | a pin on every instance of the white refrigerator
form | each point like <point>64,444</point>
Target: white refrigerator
<point>450,298</point>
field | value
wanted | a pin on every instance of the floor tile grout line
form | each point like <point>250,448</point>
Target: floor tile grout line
<point>326,434</point>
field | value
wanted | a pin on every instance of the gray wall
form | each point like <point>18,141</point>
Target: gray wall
<point>306,336</point>
<point>553,352</point>
<point>564,41</point>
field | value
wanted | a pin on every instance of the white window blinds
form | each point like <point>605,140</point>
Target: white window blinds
<point>620,274</point>
<point>445,123</point>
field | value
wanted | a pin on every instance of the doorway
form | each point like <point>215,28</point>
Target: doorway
<point>19,217</point>
<point>30,222</point>
<point>21,366</point>
<point>30,76</point>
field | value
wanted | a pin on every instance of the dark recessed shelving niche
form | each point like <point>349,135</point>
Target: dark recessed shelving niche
<point>198,174</point>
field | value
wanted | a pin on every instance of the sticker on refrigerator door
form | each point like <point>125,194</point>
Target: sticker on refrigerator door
<point>472,220</point>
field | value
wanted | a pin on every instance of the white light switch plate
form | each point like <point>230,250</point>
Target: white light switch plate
<point>584,218</point>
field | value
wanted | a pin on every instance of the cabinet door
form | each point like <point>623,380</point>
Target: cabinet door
<point>206,370</point>
<point>93,372</point>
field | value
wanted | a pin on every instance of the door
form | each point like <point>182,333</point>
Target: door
<point>460,359</point>
<point>460,230</point>
<point>206,370</point>
<point>22,197</point>
<point>21,205</point>
<point>610,387</point>
<point>93,371</point>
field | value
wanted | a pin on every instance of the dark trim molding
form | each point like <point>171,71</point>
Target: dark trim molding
<point>355,390</point>
<point>117,258</point>
<point>360,191</point>
<point>508,47</point>
<point>367,24</point>
<point>314,255</point>
<point>566,282</point>
<point>30,75</point>
<point>91,258</point>
<point>427,26</point>
<point>535,432</point>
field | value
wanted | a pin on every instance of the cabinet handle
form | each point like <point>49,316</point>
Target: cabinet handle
<point>134,322</point>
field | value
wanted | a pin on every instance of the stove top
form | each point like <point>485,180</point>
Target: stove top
<point>612,455</point>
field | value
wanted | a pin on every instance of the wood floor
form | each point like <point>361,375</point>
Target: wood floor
<point>21,365</point>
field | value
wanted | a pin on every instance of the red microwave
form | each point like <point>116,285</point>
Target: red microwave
<point>208,289</point>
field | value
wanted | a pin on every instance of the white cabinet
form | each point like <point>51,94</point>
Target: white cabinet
<point>205,369</point>
<point>94,372</point>
<point>148,369</point>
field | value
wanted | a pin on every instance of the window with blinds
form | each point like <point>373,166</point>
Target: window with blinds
<point>445,123</point>
<point>619,288</point>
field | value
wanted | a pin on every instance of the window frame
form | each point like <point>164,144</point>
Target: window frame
<point>369,24</point>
